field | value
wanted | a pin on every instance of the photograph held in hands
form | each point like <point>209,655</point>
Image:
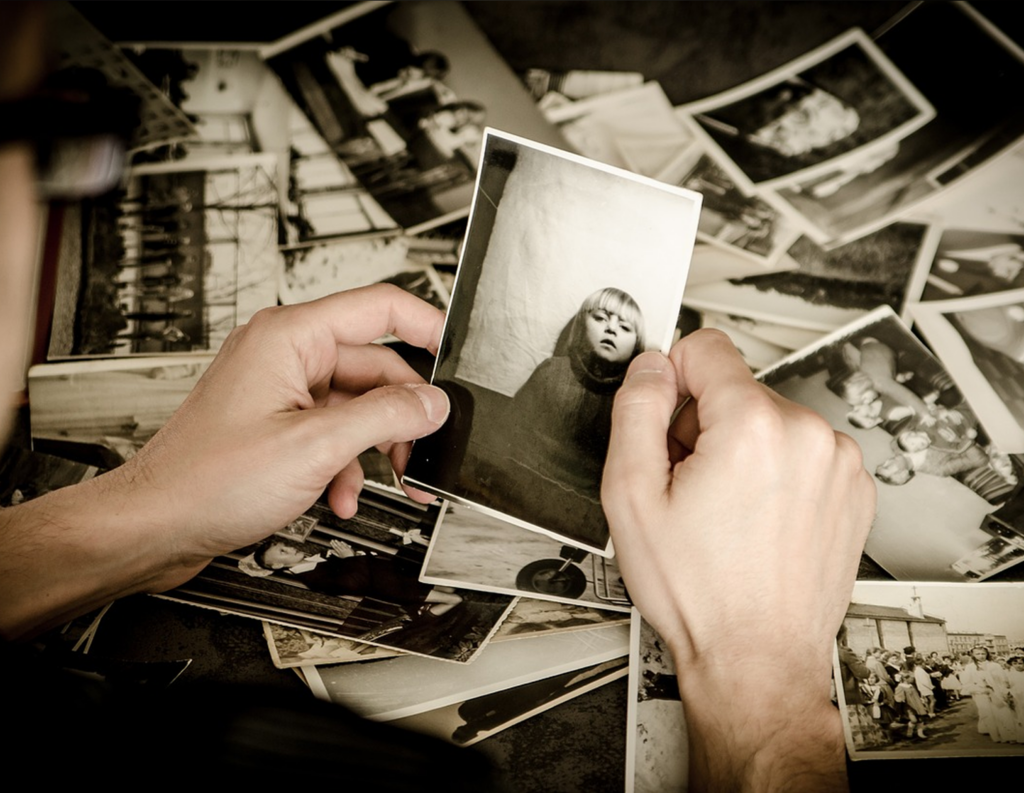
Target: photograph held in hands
<point>570,269</point>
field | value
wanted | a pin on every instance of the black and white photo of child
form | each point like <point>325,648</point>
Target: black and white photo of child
<point>569,305</point>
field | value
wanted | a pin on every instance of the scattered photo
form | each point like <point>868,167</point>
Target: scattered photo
<point>977,117</point>
<point>843,101</point>
<point>395,688</point>
<point>729,217</point>
<point>941,476</point>
<point>981,341</point>
<point>116,404</point>
<point>356,579</point>
<point>656,756</point>
<point>25,475</point>
<point>291,647</point>
<point>172,263</point>
<point>633,129</point>
<point>570,269</point>
<point>401,93</point>
<point>475,719</point>
<point>969,263</point>
<point>932,670</point>
<point>829,288</point>
<point>474,550</point>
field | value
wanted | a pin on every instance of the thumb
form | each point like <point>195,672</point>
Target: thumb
<point>638,463</point>
<point>389,414</point>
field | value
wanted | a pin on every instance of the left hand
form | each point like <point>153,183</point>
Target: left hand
<point>291,400</point>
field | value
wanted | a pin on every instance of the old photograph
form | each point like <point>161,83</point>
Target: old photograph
<point>115,404</point>
<point>841,101</point>
<point>971,262</point>
<point>981,341</point>
<point>469,722</point>
<point>932,670</point>
<point>291,647</point>
<point>170,264</point>
<point>570,269</point>
<point>940,476</point>
<point>730,217</point>
<point>974,95</point>
<point>474,550</point>
<point>395,688</point>
<point>25,475</point>
<point>355,579</point>
<point>401,93</point>
<point>827,289</point>
<point>656,756</point>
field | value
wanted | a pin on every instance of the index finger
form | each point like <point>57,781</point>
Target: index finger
<point>712,372</point>
<point>360,316</point>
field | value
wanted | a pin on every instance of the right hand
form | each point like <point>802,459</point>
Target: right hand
<point>738,527</point>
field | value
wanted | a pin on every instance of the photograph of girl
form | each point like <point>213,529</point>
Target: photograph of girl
<point>570,269</point>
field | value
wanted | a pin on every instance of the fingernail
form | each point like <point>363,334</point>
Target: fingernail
<point>435,401</point>
<point>647,362</point>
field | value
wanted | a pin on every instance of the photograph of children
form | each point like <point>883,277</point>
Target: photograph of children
<point>981,341</point>
<point>656,756</point>
<point>355,579</point>
<point>474,550</point>
<point>970,262</point>
<point>975,98</point>
<point>570,269</point>
<point>171,263</point>
<point>829,288</point>
<point>114,404</point>
<point>840,101</point>
<point>931,670</point>
<point>938,472</point>
<point>744,223</point>
<point>401,93</point>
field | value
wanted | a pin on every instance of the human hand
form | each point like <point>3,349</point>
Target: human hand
<point>738,527</point>
<point>291,400</point>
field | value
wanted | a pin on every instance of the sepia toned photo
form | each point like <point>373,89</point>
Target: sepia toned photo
<point>844,100</point>
<point>355,579</point>
<point>977,118</point>
<point>469,722</point>
<point>471,549</point>
<point>570,269</point>
<point>656,756</point>
<point>932,670</point>
<point>941,480</point>
<point>981,341</point>
<point>401,93</point>
<point>396,688</point>
<point>172,263</point>
<point>829,288</point>
<point>970,263</point>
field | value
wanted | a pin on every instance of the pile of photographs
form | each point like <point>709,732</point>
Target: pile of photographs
<point>852,220</point>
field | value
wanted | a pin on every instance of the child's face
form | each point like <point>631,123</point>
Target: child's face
<point>1018,664</point>
<point>914,441</point>
<point>611,337</point>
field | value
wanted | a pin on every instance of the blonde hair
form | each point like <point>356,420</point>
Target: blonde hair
<point>617,302</point>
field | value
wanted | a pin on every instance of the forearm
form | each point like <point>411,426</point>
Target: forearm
<point>771,732</point>
<point>77,548</point>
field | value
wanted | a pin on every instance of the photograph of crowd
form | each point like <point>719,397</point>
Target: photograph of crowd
<point>932,670</point>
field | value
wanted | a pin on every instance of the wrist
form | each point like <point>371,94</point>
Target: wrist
<point>760,727</point>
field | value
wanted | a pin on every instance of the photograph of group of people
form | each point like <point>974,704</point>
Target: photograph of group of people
<point>939,473</point>
<point>932,669</point>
